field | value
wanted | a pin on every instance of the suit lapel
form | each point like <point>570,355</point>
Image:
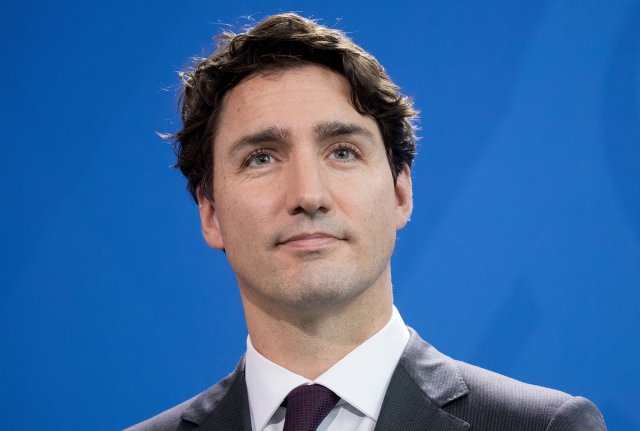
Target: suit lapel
<point>423,382</point>
<point>225,406</point>
<point>232,412</point>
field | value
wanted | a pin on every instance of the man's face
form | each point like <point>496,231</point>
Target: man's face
<point>304,202</point>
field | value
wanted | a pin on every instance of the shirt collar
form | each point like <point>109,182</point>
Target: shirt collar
<point>360,378</point>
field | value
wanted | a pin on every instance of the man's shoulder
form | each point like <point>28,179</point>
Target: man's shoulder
<point>488,385</point>
<point>490,401</point>
<point>498,396</point>
<point>169,420</point>
<point>192,412</point>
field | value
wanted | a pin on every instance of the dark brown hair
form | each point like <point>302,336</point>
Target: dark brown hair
<point>280,42</point>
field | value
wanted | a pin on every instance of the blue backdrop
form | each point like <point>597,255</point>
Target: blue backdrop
<point>527,200</point>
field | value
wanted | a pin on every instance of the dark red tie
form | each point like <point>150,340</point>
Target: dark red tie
<point>307,406</point>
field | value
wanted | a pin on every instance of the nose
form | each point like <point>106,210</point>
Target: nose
<point>307,187</point>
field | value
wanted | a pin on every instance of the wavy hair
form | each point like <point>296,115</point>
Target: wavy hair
<point>280,42</point>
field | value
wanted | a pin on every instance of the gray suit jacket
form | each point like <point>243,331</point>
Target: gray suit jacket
<point>428,392</point>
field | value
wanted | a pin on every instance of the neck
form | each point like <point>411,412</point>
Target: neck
<point>309,342</point>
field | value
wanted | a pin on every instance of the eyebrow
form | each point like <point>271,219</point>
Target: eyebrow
<point>324,130</point>
<point>270,134</point>
<point>332,129</point>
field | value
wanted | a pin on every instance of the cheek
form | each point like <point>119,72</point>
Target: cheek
<point>373,206</point>
<point>245,220</point>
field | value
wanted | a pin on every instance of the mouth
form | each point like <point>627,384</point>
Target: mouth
<point>309,240</point>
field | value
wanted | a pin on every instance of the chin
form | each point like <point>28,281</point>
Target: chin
<point>320,293</point>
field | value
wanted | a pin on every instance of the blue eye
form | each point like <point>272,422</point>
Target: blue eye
<point>342,153</point>
<point>260,159</point>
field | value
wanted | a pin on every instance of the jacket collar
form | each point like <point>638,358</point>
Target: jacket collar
<point>424,381</point>
<point>223,406</point>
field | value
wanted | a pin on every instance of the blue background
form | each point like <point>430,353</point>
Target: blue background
<point>523,254</point>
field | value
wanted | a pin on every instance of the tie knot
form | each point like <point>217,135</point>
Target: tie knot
<point>307,406</point>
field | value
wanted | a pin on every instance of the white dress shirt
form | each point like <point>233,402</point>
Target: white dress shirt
<point>360,379</point>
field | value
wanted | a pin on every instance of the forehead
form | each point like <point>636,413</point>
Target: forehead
<point>295,99</point>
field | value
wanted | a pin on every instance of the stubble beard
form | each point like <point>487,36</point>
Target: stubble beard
<point>311,292</point>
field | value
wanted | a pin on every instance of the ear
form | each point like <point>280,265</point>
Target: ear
<point>209,221</point>
<point>404,197</point>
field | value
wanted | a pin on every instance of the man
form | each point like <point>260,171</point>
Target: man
<point>298,148</point>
